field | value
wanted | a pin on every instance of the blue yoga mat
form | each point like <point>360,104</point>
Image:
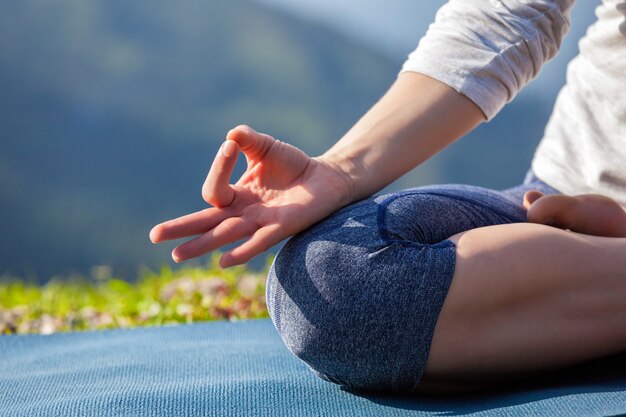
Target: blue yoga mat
<point>243,369</point>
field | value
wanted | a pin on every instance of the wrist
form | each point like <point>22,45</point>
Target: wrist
<point>351,172</point>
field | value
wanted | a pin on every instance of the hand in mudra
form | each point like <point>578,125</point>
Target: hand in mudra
<point>282,192</point>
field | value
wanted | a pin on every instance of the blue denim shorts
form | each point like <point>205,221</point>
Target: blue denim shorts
<point>357,296</point>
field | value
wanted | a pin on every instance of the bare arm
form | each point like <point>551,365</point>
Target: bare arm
<point>487,51</point>
<point>415,119</point>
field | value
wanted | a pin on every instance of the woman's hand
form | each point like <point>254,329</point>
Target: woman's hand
<point>282,192</point>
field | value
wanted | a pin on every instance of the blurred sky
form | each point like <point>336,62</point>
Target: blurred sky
<point>395,27</point>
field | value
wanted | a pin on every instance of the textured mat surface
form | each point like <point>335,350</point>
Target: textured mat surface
<point>242,369</point>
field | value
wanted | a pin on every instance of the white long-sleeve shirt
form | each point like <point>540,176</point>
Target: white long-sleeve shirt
<point>488,50</point>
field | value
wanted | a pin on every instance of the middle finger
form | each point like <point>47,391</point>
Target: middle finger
<point>189,225</point>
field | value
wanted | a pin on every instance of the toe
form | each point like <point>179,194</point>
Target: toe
<point>530,197</point>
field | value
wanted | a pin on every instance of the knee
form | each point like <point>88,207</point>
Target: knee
<point>312,309</point>
<point>343,310</point>
<point>299,297</point>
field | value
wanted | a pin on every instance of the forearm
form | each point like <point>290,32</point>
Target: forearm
<point>414,120</point>
<point>480,64</point>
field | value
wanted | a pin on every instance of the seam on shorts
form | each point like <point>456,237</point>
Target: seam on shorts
<point>383,231</point>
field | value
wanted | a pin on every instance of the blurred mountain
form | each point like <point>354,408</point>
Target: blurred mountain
<point>111,112</point>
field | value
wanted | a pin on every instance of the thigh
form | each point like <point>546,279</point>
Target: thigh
<point>528,297</point>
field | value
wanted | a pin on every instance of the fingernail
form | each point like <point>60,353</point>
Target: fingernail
<point>224,261</point>
<point>228,148</point>
<point>153,235</point>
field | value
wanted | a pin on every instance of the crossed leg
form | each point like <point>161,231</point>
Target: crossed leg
<point>528,297</point>
<point>357,296</point>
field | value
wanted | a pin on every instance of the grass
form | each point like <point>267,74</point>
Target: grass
<point>185,295</point>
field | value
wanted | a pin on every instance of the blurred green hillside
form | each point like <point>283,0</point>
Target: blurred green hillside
<point>111,112</point>
<point>165,297</point>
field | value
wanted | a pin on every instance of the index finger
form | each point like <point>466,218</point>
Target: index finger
<point>216,189</point>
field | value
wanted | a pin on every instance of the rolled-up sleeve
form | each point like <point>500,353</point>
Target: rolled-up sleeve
<point>488,50</point>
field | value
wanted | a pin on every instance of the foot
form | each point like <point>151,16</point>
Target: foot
<point>591,214</point>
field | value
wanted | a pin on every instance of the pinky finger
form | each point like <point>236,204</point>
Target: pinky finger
<point>260,241</point>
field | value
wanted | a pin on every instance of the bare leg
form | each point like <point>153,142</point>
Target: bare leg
<point>528,297</point>
<point>591,214</point>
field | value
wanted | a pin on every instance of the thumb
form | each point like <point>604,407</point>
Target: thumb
<point>216,189</point>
